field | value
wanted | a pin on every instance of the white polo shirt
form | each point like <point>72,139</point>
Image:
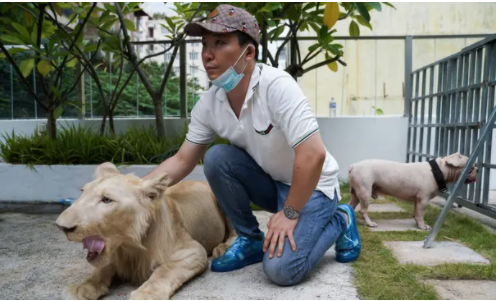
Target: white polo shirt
<point>275,118</point>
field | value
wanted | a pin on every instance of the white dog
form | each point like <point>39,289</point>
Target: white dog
<point>407,181</point>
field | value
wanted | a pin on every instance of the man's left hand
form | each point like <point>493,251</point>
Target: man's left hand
<point>279,227</point>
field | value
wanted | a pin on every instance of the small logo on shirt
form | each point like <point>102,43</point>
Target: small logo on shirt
<point>266,131</point>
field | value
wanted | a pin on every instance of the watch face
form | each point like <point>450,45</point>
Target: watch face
<point>290,212</point>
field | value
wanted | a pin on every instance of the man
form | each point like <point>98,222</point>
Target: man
<point>277,159</point>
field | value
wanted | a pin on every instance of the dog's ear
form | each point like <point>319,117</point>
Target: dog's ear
<point>106,169</point>
<point>155,187</point>
<point>456,160</point>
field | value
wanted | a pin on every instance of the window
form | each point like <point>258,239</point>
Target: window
<point>151,47</point>
<point>193,55</point>
<point>195,44</point>
<point>163,30</point>
<point>193,69</point>
<point>168,57</point>
<point>176,70</point>
<point>151,32</point>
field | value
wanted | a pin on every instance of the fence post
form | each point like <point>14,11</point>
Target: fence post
<point>407,76</point>
<point>182,80</point>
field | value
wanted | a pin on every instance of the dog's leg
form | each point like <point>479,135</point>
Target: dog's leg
<point>93,287</point>
<point>364,196</point>
<point>419,209</point>
<point>184,264</point>
<point>354,201</point>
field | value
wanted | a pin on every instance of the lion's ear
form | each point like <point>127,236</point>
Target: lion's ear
<point>106,169</point>
<point>155,186</point>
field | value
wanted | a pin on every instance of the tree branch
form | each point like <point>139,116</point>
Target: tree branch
<point>288,37</point>
<point>38,44</point>
<point>19,73</point>
<point>352,7</point>
<point>336,58</point>
<point>274,63</point>
<point>131,50</point>
<point>310,58</point>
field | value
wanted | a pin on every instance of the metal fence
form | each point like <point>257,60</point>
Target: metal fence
<point>452,109</point>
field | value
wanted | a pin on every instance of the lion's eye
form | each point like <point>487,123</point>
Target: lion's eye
<point>106,200</point>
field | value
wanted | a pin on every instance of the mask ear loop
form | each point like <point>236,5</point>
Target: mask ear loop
<point>246,63</point>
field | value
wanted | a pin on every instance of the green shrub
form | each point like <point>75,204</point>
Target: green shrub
<point>84,145</point>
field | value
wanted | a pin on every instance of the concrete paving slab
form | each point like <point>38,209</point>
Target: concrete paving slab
<point>441,252</point>
<point>37,262</point>
<point>395,225</point>
<point>382,208</point>
<point>464,289</point>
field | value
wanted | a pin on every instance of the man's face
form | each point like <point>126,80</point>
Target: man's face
<point>219,52</point>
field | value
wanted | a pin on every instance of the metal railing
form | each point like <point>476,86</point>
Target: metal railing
<point>452,109</point>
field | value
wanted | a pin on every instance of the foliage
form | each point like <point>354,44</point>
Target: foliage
<point>84,145</point>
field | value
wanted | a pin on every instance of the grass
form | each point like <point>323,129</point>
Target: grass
<point>379,275</point>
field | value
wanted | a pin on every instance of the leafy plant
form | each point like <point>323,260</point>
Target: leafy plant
<point>84,145</point>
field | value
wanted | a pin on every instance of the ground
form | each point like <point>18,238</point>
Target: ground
<point>37,262</point>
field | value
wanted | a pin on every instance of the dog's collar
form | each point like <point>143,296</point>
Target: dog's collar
<point>439,176</point>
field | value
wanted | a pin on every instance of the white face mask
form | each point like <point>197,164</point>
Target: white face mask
<point>230,78</point>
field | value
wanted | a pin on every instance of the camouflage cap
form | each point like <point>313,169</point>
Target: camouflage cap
<point>226,18</point>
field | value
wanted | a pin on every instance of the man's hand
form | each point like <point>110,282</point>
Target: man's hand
<point>279,227</point>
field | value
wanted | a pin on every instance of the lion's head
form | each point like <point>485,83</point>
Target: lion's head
<point>113,210</point>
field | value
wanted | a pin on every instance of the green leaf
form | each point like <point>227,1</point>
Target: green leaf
<point>270,6</point>
<point>337,46</point>
<point>315,27</point>
<point>313,48</point>
<point>277,32</point>
<point>58,9</point>
<point>34,34</point>
<point>90,47</point>
<point>363,22</point>
<point>71,61</point>
<point>132,5</point>
<point>309,6</point>
<point>21,29</point>
<point>28,18</point>
<point>129,25</point>
<point>111,8</point>
<point>388,4</point>
<point>44,68</point>
<point>323,33</point>
<point>17,50</point>
<point>107,25</point>
<point>354,29</point>
<point>341,15</point>
<point>375,5</point>
<point>58,112</point>
<point>27,66</point>
<point>170,23</point>
<point>271,23</point>
<point>363,11</point>
<point>56,91</point>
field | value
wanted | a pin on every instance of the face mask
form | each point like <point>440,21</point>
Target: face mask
<point>230,79</point>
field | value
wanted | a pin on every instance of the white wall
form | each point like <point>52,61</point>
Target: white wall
<point>348,139</point>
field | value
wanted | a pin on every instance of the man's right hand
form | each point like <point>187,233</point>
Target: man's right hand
<point>181,164</point>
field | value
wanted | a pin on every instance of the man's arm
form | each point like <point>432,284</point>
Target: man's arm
<point>307,167</point>
<point>181,164</point>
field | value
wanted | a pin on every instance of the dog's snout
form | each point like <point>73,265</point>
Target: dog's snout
<point>66,229</point>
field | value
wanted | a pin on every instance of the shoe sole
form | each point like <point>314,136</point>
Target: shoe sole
<point>249,261</point>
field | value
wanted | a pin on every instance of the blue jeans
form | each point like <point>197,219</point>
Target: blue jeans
<point>236,180</point>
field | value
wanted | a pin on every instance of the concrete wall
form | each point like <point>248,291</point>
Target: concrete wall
<point>348,139</point>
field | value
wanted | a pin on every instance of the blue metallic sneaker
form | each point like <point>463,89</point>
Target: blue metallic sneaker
<point>348,245</point>
<point>243,252</point>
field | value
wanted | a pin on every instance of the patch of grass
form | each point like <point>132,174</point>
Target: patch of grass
<point>379,275</point>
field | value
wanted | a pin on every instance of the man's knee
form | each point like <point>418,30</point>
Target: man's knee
<point>284,270</point>
<point>214,159</point>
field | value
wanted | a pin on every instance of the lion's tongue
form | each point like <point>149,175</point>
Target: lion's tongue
<point>94,244</point>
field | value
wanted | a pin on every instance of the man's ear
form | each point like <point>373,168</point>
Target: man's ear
<point>156,186</point>
<point>251,51</point>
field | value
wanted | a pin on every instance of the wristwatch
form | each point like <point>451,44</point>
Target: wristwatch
<point>290,213</point>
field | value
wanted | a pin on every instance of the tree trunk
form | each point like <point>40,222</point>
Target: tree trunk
<point>51,124</point>
<point>111,121</point>
<point>102,124</point>
<point>159,118</point>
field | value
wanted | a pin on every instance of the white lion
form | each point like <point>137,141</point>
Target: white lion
<point>144,232</point>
